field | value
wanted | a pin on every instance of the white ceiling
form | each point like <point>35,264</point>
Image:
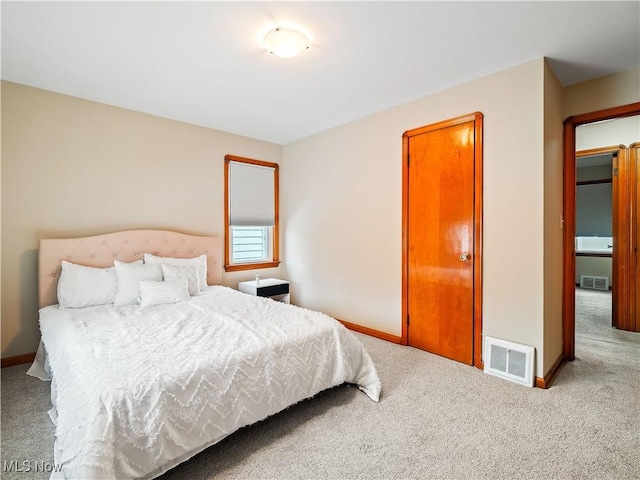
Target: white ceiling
<point>203,63</point>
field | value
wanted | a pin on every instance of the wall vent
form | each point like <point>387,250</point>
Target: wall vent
<point>509,360</point>
<point>595,283</point>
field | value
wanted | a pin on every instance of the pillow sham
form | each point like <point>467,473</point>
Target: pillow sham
<point>129,276</point>
<point>80,286</point>
<point>161,293</point>
<point>173,273</point>
<point>201,261</point>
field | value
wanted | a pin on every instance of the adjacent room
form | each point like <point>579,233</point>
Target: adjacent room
<point>602,149</point>
<point>320,240</point>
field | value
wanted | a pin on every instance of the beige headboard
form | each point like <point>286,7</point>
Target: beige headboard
<point>127,246</point>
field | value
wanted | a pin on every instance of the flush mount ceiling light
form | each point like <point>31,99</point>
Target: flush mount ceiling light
<point>285,42</point>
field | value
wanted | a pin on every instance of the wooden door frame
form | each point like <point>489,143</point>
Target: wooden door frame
<point>477,118</point>
<point>569,216</point>
<point>634,270</point>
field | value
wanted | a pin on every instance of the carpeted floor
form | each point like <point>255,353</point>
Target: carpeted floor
<point>436,419</point>
<point>594,334</point>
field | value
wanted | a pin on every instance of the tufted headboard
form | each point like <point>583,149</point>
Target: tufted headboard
<point>127,246</point>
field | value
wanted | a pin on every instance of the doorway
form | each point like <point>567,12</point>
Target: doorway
<point>625,265</point>
<point>442,238</point>
<point>595,235</point>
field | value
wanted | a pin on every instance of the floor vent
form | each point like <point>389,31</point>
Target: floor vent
<point>596,283</point>
<point>509,360</point>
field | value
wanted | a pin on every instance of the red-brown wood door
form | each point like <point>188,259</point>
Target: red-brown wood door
<point>621,266</point>
<point>634,161</point>
<point>441,237</point>
<point>626,271</point>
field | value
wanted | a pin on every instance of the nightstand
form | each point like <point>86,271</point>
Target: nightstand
<point>273,288</point>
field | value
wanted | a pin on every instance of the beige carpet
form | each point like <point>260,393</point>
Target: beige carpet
<point>436,419</point>
<point>594,334</point>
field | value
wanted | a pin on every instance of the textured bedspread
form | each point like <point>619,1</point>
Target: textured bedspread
<point>139,391</point>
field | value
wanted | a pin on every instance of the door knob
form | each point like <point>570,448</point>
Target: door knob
<point>464,257</point>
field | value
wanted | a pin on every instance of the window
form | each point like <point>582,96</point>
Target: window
<point>250,244</point>
<point>251,214</point>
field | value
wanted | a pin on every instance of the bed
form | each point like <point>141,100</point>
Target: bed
<point>139,387</point>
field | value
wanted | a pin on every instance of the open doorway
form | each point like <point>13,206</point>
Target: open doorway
<point>624,266</point>
<point>594,229</point>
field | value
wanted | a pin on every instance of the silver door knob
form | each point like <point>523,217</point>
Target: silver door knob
<point>464,257</point>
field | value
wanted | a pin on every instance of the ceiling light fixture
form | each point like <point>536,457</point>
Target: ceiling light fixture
<point>285,42</point>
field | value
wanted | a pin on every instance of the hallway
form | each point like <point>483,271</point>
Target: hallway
<point>596,340</point>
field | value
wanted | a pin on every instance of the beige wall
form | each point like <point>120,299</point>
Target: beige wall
<point>605,92</point>
<point>553,207</point>
<point>71,167</point>
<point>623,131</point>
<point>598,266</point>
<point>343,207</point>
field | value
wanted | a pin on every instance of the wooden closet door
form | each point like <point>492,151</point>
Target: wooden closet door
<point>440,231</point>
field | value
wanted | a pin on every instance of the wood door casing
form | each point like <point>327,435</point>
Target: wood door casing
<point>634,307</point>
<point>569,213</point>
<point>442,212</point>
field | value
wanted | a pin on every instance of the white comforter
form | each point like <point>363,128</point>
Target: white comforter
<point>139,391</point>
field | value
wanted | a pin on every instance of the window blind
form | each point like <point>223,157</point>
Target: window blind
<point>251,195</point>
<point>593,210</point>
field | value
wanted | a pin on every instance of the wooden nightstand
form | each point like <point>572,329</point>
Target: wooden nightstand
<point>273,288</point>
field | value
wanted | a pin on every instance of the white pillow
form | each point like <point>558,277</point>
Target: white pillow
<point>128,276</point>
<point>159,293</point>
<point>81,286</point>
<point>173,273</point>
<point>201,261</point>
